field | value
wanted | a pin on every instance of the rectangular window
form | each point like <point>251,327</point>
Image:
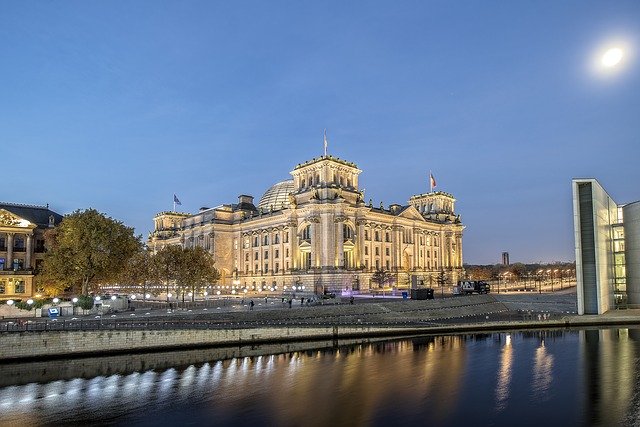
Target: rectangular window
<point>287,265</point>
<point>266,254</point>
<point>377,251</point>
<point>39,245</point>
<point>386,251</point>
<point>377,264</point>
<point>19,286</point>
<point>387,264</point>
<point>277,253</point>
<point>307,260</point>
<point>366,250</point>
<point>366,234</point>
<point>286,253</point>
<point>255,242</point>
<point>277,267</point>
<point>255,256</point>
<point>3,287</point>
<point>387,238</point>
<point>246,243</point>
<point>276,239</point>
<point>377,236</point>
<point>286,237</point>
<point>266,268</point>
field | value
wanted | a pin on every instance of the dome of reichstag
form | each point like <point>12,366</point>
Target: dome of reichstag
<point>276,196</point>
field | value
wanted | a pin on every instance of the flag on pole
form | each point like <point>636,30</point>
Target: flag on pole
<point>175,200</point>
<point>325,143</point>
<point>432,181</point>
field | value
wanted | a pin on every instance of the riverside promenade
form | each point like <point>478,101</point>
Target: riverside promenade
<point>277,323</point>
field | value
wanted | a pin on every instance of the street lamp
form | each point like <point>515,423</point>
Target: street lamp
<point>30,302</point>
<point>74,301</point>
<point>56,300</point>
<point>539,278</point>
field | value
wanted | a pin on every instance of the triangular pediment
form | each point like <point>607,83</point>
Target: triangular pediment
<point>411,213</point>
<point>9,219</point>
<point>305,246</point>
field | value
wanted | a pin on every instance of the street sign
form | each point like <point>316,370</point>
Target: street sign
<point>54,312</point>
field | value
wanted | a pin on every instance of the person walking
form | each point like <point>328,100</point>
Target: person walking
<point>251,305</point>
<point>301,301</point>
<point>351,300</point>
<point>290,301</point>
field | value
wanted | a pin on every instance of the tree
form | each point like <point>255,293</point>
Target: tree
<point>138,270</point>
<point>196,270</point>
<point>185,268</point>
<point>86,249</point>
<point>442,278</point>
<point>165,265</point>
<point>381,277</point>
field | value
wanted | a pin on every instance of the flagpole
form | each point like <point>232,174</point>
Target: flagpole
<point>430,182</point>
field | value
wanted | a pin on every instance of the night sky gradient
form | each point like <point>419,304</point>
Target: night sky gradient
<point>117,105</point>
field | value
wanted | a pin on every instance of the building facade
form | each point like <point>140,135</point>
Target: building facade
<point>316,230</point>
<point>607,240</point>
<point>22,247</point>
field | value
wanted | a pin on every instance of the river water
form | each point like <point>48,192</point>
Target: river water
<point>545,378</point>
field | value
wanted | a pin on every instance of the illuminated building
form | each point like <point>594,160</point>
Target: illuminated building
<point>607,239</point>
<point>22,248</point>
<point>316,230</point>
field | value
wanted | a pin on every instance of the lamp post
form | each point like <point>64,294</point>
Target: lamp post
<point>30,302</point>
<point>539,277</point>
<point>74,300</point>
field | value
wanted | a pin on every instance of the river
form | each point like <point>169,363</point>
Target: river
<point>541,378</point>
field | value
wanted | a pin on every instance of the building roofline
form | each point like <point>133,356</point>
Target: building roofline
<point>24,205</point>
<point>327,157</point>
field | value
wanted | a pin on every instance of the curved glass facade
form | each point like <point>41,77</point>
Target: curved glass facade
<point>277,196</point>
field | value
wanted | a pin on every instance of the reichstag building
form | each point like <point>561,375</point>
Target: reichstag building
<point>316,230</point>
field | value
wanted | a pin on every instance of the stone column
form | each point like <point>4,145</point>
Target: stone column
<point>396,246</point>
<point>9,263</point>
<point>339,233</point>
<point>28,253</point>
<point>293,245</point>
<point>359,254</point>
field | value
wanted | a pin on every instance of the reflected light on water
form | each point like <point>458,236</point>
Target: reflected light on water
<point>504,374</point>
<point>422,381</point>
<point>542,373</point>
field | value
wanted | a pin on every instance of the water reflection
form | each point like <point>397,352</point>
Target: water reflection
<point>504,374</point>
<point>542,373</point>
<point>573,378</point>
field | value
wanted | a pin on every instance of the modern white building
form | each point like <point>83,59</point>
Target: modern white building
<point>607,241</point>
<point>316,230</point>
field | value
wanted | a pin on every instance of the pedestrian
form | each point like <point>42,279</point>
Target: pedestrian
<point>351,300</point>
<point>251,305</point>
<point>290,300</point>
<point>283,300</point>
<point>265,300</point>
<point>301,300</point>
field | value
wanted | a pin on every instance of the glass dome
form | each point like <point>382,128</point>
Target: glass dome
<point>277,196</point>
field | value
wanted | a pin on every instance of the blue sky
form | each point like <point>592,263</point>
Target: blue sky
<point>117,105</point>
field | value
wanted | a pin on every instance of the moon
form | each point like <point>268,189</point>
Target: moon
<point>612,57</point>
